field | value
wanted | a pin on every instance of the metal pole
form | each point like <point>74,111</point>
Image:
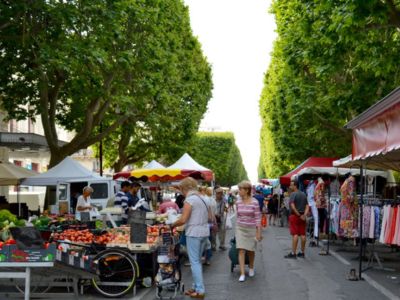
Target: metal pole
<point>361,220</point>
<point>328,229</point>
<point>101,151</point>
<point>18,201</point>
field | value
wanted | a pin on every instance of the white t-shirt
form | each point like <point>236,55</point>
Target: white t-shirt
<point>81,202</point>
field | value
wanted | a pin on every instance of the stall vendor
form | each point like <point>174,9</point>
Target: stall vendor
<point>167,204</point>
<point>83,203</point>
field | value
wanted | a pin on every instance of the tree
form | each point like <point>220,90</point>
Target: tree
<point>179,102</point>
<point>218,152</point>
<point>330,62</point>
<point>80,64</point>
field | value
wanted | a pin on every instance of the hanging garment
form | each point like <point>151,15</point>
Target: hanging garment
<point>319,195</point>
<point>349,208</point>
<point>314,212</point>
<point>388,225</point>
<point>366,221</point>
<point>378,217</point>
<point>384,224</point>
<point>310,193</point>
<point>371,232</point>
<point>335,188</point>
<point>396,239</point>
<point>393,223</point>
<point>334,218</point>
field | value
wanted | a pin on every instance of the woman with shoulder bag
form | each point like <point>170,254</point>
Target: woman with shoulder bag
<point>195,216</point>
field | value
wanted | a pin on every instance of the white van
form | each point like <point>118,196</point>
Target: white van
<point>65,193</point>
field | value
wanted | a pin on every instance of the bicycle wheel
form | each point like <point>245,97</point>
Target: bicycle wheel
<point>117,272</point>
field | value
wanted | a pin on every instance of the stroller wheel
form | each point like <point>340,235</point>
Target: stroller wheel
<point>232,267</point>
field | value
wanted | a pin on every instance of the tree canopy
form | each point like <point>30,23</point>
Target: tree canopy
<point>218,152</point>
<point>80,64</point>
<point>331,61</point>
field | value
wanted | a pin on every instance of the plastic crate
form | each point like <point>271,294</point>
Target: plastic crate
<point>32,255</point>
<point>4,253</point>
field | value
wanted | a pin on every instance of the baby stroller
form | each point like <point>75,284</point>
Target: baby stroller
<point>169,275</point>
<point>234,256</point>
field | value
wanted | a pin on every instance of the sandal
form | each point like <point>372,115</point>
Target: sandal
<point>197,295</point>
<point>190,292</point>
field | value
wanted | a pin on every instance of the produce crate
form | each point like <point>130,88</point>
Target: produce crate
<point>32,255</point>
<point>141,246</point>
<point>118,245</point>
<point>4,253</point>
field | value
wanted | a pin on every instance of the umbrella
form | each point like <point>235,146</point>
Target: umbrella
<point>11,174</point>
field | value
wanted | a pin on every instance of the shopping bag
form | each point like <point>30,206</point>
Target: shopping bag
<point>264,220</point>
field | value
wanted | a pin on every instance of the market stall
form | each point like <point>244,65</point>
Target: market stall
<point>310,162</point>
<point>112,260</point>
<point>11,174</point>
<point>376,144</point>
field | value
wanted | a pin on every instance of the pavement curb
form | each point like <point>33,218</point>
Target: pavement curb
<point>367,278</point>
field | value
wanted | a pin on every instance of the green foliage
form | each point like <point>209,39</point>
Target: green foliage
<point>173,115</point>
<point>331,61</point>
<point>218,152</point>
<point>80,64</point>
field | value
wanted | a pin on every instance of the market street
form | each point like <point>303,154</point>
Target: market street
<point>316,277</point>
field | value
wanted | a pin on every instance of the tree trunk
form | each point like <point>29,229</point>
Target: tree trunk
<point>118,165</point>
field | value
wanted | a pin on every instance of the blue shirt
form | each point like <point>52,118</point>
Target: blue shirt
<point>260,199</point>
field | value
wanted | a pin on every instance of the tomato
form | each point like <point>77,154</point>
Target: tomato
<point>11,242</point>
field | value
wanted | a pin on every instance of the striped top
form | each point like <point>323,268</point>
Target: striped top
<point>121,200</point>
<point>248,215</point>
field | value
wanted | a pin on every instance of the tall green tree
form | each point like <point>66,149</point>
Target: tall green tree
<point>179,101</point>
<point>79,64</point>
<point>218,152</point>
<point>330,62</point>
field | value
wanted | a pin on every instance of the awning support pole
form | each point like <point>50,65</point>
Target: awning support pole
<point>361,220</point>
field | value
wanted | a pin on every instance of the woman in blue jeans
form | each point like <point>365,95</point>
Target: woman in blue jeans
<point>195,217</point>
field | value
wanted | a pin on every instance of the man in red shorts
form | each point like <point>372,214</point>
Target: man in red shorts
<point>297,219</point>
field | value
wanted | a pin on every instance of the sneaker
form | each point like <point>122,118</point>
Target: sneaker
<point>290,255</point>
<point>242,278</point>
<point>301,254</point>
<point>251,272</point>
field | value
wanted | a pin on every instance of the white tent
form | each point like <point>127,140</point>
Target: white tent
<point>11,174</point>
<point>153,165</point>
<point>186,162</point>
<point>66,171</point>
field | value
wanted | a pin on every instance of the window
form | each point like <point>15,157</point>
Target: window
<point>62,192</point>
<point>35,167</point>
<point>100,190</point>
<point>18,163</point>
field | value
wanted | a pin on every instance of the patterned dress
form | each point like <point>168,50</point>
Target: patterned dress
<point>348,209</point>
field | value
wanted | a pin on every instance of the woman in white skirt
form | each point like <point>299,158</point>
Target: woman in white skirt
<point>248,227</point>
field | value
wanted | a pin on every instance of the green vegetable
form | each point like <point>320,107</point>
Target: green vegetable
<point>6,215</point>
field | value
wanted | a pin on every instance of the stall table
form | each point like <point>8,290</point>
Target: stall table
<point>26,274</point>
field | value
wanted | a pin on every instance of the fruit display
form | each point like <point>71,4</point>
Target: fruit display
<point>75,236</point>
<point>120,235</point>
<point>82,236</point>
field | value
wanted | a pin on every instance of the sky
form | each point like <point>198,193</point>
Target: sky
<point>237,39</point>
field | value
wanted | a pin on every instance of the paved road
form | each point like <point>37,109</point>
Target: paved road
<point>316,277</point>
